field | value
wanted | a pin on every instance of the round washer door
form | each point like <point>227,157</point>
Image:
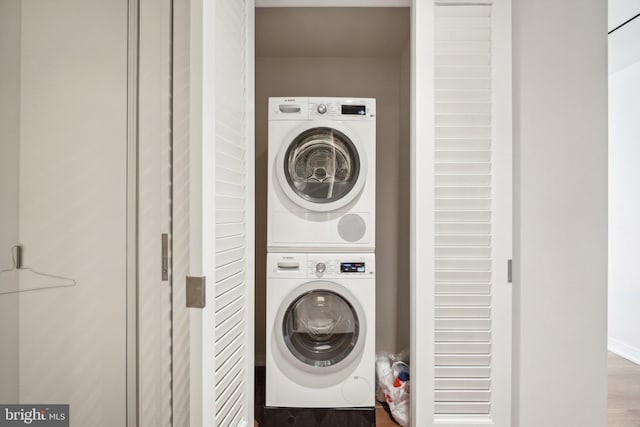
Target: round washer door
<point>322,168</point>
<point>320,327</point>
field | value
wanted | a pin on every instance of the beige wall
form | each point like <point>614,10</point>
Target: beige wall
<point>9,188</point>
<point>63,126</point>
<point>381,78</point>
<point>560,213</point>
<point>403,330</point>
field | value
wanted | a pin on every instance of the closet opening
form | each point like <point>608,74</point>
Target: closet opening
<point>343,52</point>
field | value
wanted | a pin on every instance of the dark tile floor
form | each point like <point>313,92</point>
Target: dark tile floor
<point>383,416</point>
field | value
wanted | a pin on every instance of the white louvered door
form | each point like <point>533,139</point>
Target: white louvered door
<point>233,161</point>
<point>230,204</point>
<point>470,242</point>
<point>221,211</point>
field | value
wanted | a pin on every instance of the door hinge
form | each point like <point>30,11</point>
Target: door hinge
<point>196,291</point>
<point>510,271</point>
<point>165,257</point>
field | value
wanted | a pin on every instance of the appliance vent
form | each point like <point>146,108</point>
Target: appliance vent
<point>352,227</point>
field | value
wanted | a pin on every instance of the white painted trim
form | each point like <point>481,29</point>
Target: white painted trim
<point>208,120</point>
<point>502,161</point>
<point>195,206</point>
<point>250,211</point>
<point>624,350</point>
<point>202,207</point>
<point>133,37</point>
<point>333,3</point>
<point>154,207</point>
<point>422,212</point>
<point>180,209</point>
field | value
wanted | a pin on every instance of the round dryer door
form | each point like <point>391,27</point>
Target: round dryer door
<point>322,169</point>
<point>322,328</point>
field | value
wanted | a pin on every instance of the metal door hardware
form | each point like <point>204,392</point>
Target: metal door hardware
<point>196,291</point>
<point>165,257</point>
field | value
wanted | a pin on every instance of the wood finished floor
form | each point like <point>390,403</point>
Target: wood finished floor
<point>383,417</point>
<point>624,393</point>
<point>623,398</point>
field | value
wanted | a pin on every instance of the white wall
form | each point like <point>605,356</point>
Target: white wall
<point>560,213</point>
<point>624,49</point>
<point>622,10</point>
<point>624,211</point>
<point>378,78</point>
<point>9,193</point>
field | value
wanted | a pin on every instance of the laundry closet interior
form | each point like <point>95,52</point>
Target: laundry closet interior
<point>442,189</point>
<point>343,52</point>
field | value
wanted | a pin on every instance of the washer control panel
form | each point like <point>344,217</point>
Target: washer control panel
<point>319,266</point>
<point>342,108</point>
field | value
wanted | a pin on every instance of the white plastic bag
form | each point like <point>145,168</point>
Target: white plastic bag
<point>384,376</point>
<point>397,398</point>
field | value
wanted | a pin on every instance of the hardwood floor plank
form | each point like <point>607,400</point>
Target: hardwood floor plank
<point>624,393</point>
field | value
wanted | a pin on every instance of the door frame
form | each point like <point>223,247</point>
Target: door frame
<point>422,239</point>
<point>202,90</point>
<point>133,36</point>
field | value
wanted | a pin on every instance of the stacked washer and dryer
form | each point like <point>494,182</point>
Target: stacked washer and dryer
<point>321,263</point>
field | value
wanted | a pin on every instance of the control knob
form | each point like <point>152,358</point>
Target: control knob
<point>321,267</point>
<point>322,108</point>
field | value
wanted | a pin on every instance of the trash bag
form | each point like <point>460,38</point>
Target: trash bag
<point>392,375</point>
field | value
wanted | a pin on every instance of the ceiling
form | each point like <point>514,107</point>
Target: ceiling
<point>332,32</point>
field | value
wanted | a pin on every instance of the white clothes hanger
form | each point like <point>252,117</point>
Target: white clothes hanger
<point>16,256</point>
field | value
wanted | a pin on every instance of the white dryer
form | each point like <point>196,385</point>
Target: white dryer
<point>320,336</point>
<point>321,189</point>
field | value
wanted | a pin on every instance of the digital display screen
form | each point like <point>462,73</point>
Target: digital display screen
<point>352,267</point>
<point>359,110</point>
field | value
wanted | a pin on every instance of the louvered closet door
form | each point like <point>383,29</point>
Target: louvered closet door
<point>472,221</point>
<point>233,393</point>
<point>219,181</point>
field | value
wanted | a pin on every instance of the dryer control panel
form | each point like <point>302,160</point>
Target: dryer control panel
<point>319,265</point>
<point>343,109</point>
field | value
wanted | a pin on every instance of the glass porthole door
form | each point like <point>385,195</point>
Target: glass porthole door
<point>322,169</point>
<point>321,328</point>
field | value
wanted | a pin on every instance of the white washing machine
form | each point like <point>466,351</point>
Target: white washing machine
<point>321,189</point>
<point>320,334</point>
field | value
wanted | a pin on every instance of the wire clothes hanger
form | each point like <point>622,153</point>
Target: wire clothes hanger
<point>16,256</point>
